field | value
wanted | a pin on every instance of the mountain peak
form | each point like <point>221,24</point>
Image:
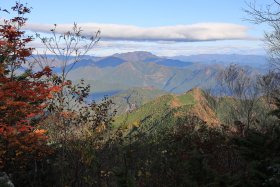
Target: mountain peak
<point>136,56</point>
<point>195,91</point>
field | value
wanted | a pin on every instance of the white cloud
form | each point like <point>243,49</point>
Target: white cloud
<point>105,47</point>
<point>207,38</point>
<point>183,33</point>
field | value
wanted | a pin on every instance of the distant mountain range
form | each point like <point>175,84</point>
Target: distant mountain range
<point>118,59</point>
<point>143,69</point>
<point>255,61</point>
<point>113,74</point>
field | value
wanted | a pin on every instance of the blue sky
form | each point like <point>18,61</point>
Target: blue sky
<point>206,26</point>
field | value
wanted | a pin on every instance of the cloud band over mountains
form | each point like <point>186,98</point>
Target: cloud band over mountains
<point>180,33</point>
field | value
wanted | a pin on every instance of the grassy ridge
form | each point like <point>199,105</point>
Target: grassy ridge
<point>156,115</point>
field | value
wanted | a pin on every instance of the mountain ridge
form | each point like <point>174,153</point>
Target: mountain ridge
<point>166,109</point>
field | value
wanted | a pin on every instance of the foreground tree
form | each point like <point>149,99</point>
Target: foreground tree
<point>23,94</point>
<point>41,107</point>
<point>76,126</point>
<point>242,87</point>
<point>270,15</point>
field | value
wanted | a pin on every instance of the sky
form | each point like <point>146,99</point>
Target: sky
<point>163,27</point>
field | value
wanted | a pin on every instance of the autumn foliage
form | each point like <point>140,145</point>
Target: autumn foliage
<point>48,130</point>
<point>22,97</point>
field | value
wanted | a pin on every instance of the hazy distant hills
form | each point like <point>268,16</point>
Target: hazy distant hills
<point>142,56</point>
<point>256,61</point>
<point>118,59</point>
<point>113,74</point>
